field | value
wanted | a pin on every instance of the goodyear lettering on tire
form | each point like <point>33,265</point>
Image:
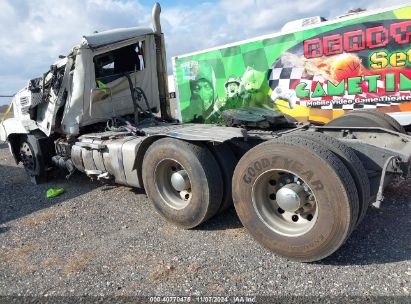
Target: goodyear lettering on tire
<point>263,164</point>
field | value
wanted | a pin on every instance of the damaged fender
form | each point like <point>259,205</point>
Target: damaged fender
<point>16,126</point>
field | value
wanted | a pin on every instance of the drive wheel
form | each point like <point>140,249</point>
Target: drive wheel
<point>350,160</point>
<point>227,162</point>
<point>183,181</point>
<point>296,198</point>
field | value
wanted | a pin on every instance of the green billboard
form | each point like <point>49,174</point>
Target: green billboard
<point>314,74</point>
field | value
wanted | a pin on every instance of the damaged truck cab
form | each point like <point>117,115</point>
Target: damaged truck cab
<point>300,189</point>
<point>88,85</point>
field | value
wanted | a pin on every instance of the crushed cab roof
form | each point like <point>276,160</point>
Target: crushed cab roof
<point>112,36</point>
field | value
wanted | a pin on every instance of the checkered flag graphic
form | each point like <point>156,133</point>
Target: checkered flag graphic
<point>284,74</point>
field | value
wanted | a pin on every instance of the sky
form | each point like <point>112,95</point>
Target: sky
<point>33,33</point>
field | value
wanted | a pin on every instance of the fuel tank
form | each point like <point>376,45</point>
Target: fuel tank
<point>108,154</point>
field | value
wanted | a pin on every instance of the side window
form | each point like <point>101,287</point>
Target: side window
<point>140,55</point>
<point>113,65</point>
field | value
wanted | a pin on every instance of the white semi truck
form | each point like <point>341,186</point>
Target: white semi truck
<point>299,188</point>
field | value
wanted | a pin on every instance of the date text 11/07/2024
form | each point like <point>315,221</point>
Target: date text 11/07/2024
<point>204,299</point>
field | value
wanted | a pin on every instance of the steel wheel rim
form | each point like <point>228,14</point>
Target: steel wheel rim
<point>173,198</point>
<point>284,222</point>
<point>27,157</point>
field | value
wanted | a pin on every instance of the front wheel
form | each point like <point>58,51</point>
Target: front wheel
<point>32,157</point>
<point>296,198</point>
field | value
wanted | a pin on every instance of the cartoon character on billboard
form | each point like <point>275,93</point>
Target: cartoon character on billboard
<point>255,88</point>
<point>233,93</point>
<point>248,91</point>
<point>232,87</point>
<point>203,94</point>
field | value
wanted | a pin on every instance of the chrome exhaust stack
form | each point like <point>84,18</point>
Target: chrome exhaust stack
<point>155,15</point>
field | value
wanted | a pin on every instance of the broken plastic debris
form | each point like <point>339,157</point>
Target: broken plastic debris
<point>53,192</point>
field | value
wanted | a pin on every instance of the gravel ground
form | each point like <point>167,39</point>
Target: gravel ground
<point>107,240</point>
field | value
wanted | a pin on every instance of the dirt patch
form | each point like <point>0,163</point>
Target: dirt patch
<point>168,229</point>
<point>136,259</point>
<point>78,263</point>
<point>194,267</point>
<point>238,232</point>
<point>40,218</point>
<point>215,289</point>
<point>18,253</point>
<point>162,272</point>
<point>53,261</point>
<point>19,258</point>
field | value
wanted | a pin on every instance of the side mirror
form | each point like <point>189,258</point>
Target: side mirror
<point>98,95</point>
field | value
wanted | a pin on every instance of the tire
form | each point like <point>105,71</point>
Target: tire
<point>351,162</point>
<point>33,156</point>
<point>360,119</point>
<point>240,147</point>
<point>396,126</point>
<point>201,197</point>
<point>321,172</point>
<point>227,162</point>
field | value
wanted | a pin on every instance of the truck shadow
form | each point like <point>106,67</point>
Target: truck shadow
<point>19,197</point>
<point>4,229</point>
<point>383,236</point>
<point>227,219</point>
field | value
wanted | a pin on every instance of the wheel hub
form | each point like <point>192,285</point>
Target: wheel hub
<point>27,156</point>
<point>291,197</point>
<point>173,183</point>
<point>284,202</point>
<point>180,180</point>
